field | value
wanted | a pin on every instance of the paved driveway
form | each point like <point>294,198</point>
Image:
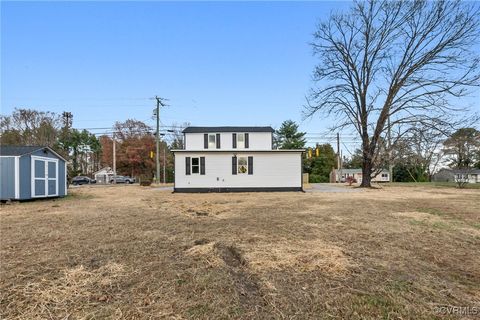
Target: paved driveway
<point>330,187</point>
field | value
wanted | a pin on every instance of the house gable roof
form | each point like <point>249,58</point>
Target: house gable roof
<point>226,129</point>
<point>23,150</point>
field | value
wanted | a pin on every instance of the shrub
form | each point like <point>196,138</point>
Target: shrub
<point>350,180</point>
<point>145,183</point>
<point>316,178</point>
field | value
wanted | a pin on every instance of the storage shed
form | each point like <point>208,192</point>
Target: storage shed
<point>30,172</point>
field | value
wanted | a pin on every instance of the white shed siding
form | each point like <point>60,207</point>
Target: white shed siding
<point>257,141</point>
<point>270,169</point>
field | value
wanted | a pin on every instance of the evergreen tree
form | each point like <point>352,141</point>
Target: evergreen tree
<point>288,136</point>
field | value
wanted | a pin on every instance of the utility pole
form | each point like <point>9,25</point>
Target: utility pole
<point>339,163</point>
<point>157,138</point>
<point>164,164</point>
<point>114,160</point>
<point>390,167</point>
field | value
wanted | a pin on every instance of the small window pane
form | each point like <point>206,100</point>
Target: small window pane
<point>39,187</point>
<point>52,187</point>
<point>195,165</point>
<point>211,141</point>
<point>52,169</point>
<point>39,169</point>
<point>240,140</point>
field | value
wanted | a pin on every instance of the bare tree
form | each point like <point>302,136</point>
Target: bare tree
<point>176,136</point>
<point>30,127</point>
<point>402,61</point>
<point>419,148</point>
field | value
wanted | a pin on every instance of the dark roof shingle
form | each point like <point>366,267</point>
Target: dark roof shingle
<point>226,129</point>
<point>18,150</point>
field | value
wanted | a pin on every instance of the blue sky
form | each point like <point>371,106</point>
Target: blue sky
<point>218,63</point>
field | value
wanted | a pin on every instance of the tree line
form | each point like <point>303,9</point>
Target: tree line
<point>415,158</point>
<point>86,152</point>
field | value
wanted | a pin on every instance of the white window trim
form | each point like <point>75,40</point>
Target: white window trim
<point>17,177</point>
<point>65,174</point>
<point>46,179</point>
<point>191,165</point>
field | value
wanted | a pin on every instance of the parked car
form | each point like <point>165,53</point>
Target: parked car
<point>79,180</point>
<point>123,179</point>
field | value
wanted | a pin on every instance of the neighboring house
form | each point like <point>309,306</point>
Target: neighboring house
<point>104,175</point>
<point>444,175</point>
<point>28,172</point>
<point>457,175</point>
<point>235,159</point>
<point>382,176</point>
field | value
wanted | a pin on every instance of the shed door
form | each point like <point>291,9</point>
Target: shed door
<point>44,177</point>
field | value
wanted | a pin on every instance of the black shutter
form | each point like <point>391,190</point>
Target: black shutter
<point>205,141</point>
<point>246,140</point>
<point>234,140</point>
<point>187,166</point>
<point>234,165</point>
<point>218,140</point>
<point>202,165</point>
<point>250,165</point>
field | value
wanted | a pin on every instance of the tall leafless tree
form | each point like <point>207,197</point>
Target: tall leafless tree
<point>403,60</point>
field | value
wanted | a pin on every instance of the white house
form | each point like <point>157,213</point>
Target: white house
<point>235,159</point>
<point>457,175</point>
<point>382,176</point>
<point>104,175</point>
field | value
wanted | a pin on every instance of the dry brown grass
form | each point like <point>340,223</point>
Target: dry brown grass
<point>130,252</point>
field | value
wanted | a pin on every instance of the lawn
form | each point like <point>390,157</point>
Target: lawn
<point>131,252</point>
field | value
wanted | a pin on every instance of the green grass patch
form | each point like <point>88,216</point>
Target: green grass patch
<point>400,285</point>
<point>375,305</point>
<point>451,185</point>
<point>441,225</point>
<point>77,196</point>
<point>200,310</point>
<point>414,222</point>
<point>433,211</point>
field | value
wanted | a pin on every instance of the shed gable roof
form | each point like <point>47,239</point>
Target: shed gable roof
<point>226,129</point>
<point>23,150</point>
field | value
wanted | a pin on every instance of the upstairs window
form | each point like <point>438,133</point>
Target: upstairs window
<point>211,141</point>
<point>240,140</point>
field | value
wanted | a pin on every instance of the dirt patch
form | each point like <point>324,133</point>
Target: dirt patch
<point>301,256</point>
<point>78,286</point>
<point>230,255</point>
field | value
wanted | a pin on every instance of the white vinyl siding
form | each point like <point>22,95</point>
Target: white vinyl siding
<point>270,169</point>
<point>256,141</point>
